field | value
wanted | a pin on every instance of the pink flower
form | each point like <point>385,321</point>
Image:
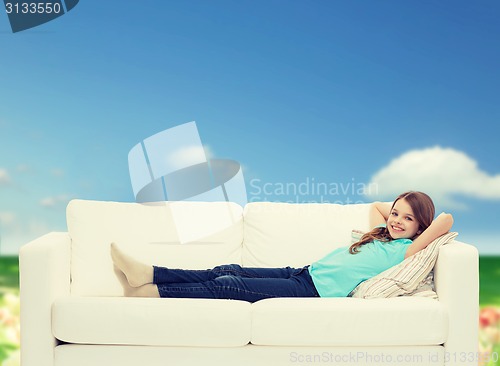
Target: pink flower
<point>489,316</point>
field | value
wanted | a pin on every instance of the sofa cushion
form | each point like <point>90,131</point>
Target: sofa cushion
<point>152,322</point>
<point>284,234</point>
<point>192,235</point>
<point>349,322</point>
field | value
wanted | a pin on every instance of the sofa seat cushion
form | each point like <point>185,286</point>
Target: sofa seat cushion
<point>396,321</point>
<point>152,322</point>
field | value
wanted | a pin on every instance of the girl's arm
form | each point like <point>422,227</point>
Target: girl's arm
<point>379,213</point>
<point>441,225</point>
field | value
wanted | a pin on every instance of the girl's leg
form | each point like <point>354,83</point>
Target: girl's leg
<point>137,273</point>
<point>169,275</point>
<point>243,288</point>
<point>148,290</point>
<point>252,272</point>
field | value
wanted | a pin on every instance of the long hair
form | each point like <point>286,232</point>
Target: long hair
<point>423,209</point>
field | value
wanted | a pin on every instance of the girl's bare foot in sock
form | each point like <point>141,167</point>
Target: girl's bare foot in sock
<point>127,289</point>
<point>148,290</point>
<point>137,273</point>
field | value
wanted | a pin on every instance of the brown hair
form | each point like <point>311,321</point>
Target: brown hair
<point>423,209</point>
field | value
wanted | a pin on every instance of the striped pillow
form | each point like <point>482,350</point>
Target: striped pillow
<point>406,277</point>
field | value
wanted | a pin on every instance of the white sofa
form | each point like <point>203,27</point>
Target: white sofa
<point>73,312</point>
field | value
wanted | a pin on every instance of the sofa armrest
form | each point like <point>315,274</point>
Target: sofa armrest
<point>456,277</point>
<point>44,267</point>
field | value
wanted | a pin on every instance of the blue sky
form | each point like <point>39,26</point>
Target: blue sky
<point>332,92</point>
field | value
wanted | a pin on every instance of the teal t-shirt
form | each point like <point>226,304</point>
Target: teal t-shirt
<point>339,272</point>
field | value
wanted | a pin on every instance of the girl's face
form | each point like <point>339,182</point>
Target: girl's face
<point>401,222</point>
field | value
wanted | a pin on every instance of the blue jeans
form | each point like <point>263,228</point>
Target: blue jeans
<point>234,282</point>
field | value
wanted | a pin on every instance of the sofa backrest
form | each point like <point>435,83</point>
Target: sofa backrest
<point>192,235</point>
<point>200,235</point>
<point>284,234</point>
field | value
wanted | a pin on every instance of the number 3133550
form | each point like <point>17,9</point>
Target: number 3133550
<point>33,8</point>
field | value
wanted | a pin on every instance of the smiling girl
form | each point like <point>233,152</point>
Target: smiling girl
<point>400,230</point>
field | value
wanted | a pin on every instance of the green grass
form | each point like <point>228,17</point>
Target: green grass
<point>9,274</point>
<point>489,278</point>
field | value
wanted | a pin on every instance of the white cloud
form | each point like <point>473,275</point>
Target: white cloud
<point>55,201</point>
<point>7,218</point>
<point>443,173</point>
<point>4,176</point>
<point>56,172</point>
<point>24,168</point>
